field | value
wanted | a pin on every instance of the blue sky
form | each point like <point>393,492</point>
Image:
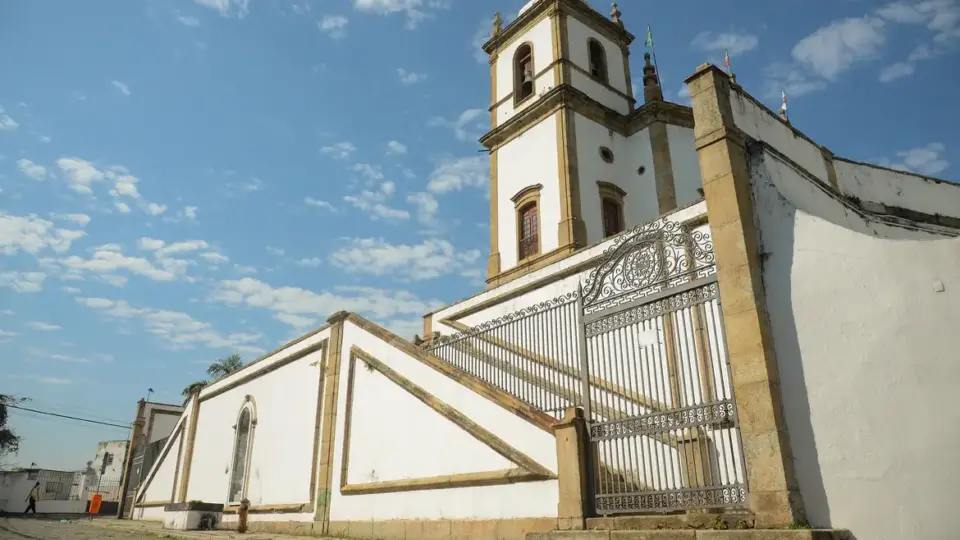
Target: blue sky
<point>184,179</point>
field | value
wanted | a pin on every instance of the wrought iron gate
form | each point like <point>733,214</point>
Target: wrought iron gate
<point>662,419</point>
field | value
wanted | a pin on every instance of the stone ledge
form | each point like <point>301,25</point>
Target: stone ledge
<point>690,534</point>
<point>197,506</point>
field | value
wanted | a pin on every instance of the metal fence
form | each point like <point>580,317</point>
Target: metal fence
<point>532,354</point>
<point>57,485</point>
<point>143,458</point>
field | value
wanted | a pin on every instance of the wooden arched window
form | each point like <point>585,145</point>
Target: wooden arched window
<point>598,59</point>
<point>611,208</point>
<point>527,203</point>
<point>242,450</point>
<point>523,84</point>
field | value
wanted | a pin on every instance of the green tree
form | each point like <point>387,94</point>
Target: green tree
<point>193,387</point>
<point>9,441</point>
<point>225,366</point>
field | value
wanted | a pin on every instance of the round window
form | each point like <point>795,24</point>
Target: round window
<point>641,170</point>
<point>606,154</point>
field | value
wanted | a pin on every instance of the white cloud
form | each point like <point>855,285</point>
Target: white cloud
<point>334,26</point>
<point>381,304</point>
<point>792,79</point>
<point>116,281</point>
<point>32,234</point>
<point>396,148</point>
<point>310,201</point>
<point>53,380</point>
<point>23,282</point>
<point>428,260</point>
<point>8,334</point>
<point>276,251</point>
<point>43,326</point>
<point>188,21</point>
<point>340,150</point>
<point>155,209</point>
<point>834,48</point>
<point>121,87</point>
<point>227,8</point>
<point>427,207</point>
<point>45,138</point>
<point>71,290</point>
<point>103,262</point>
<point>415,10</point>
<point>925,160</point>
<point>372,173</point>
<point>31,169</point>
<point>80,173</point>
<point>311,262</point>
<point>372,202</point>
<point>895,71</point>
<point>735,43</point>
<point>468,127</point>
<point>410,77</point>
<point>7,123</point>
<point>179,330</point>
<point>79,219</point>
<point>940,17</point>
<point>121,207</point>
<point>214,257</point>
<point>190,212</point>
<point>457,174</point>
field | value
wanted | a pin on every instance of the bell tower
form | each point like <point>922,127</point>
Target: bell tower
<point>555,58</point>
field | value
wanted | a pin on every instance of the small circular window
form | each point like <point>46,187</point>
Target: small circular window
<point>641,170</point>
<point>606,154</point>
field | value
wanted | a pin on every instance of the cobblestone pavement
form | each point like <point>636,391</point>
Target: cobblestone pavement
<point>111,529</point>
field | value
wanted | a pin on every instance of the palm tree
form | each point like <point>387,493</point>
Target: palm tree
<point>225,366</point>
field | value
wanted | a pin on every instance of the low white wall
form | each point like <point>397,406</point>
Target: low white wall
<point>896,188</point>
<point>283,438</point>
<point>153,513</point>
<point>394,436</point>
<point>864,320</point>
<point>548,291</point>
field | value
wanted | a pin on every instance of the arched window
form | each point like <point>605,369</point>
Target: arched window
<point>242,449</point>
<point>523,72</point>
<point>598,59</point>
<point>529,239</point>
<point>611,208</point>
<point>527,204</point>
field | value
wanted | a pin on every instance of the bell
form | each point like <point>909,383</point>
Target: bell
<point>527,77</point>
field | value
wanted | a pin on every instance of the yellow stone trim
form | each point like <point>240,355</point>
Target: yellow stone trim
<point>522,199</point>
<point>128,456</point>
<point>571,230</point>
<point>176,466</point>
<point>293,357</point>
<point>774,493</point>
<point>318,421</point>
<point>152,504</point>
<point>271,508</point>
<point>495,395</point>
<point>191,439</point>
<point>831,169</point>
<point>531,264</point>
<point>411,529</point>
<point>329,423</point>
<point>493,262</point>
<point>527,469</point>
<point>493,90</point>
<point>628,78</point>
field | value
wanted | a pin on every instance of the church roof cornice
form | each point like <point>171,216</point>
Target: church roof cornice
<point>545,8</point>
<point>565,95</point>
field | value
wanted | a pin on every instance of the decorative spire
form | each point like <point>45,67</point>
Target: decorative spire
<point>615,14</point>
<point>497,25</point>
<point>651,83</point>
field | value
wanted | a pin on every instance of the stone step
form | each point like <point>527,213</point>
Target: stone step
<point>690,534</point>
<point>686,520</point>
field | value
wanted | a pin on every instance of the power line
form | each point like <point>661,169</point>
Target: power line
<point>68,417</point>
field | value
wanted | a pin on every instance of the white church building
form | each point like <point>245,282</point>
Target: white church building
<point>696,317</point>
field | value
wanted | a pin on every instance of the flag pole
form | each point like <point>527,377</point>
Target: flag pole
<point>653,52</point>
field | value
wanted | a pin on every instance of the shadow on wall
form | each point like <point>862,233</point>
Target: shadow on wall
<point>776,260</point>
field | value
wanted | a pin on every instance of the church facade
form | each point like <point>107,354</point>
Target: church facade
<point>694,317</point>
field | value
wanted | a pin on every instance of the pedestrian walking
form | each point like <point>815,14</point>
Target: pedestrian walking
<point>32,499</point>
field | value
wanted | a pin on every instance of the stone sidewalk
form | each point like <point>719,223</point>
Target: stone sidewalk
<point>16,528</point>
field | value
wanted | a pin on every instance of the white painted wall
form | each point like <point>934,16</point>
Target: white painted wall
<point>540,36</point>
<point>528,160</point>
<point>15,486</point>
<point>409,441</point>
<point>640,204</point>
<point>686,165</point>
<point>864,319</point>
<point>118,452</point>
<point>154,513</point>
<point>160,487</point>
<point>283,440</point>
<point>896,188</point>
<point>577,36</point>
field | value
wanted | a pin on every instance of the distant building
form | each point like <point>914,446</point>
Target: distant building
<point>59,491</point>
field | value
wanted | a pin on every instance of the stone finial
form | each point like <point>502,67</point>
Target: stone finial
<point>497,25</point>
<point>651,82</point>
<point>615,14</point>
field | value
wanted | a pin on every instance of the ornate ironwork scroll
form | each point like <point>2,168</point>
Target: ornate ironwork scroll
<point>650,258</point>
